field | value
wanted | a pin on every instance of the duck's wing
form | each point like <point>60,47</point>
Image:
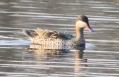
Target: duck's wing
<point>47,34</point>
<point>65,36</point>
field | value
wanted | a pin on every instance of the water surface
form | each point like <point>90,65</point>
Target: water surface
<point>16,60</point>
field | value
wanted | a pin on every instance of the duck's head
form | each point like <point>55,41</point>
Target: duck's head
<point>84,19</point>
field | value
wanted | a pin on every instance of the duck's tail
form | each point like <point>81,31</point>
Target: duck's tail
<point>30,33</point>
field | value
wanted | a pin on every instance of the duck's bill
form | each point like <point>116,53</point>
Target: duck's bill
<point>89,28</point>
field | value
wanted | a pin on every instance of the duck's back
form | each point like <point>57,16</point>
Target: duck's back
<point>47,34</point>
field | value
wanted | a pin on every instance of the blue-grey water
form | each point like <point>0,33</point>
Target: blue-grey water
<point>102,52</point>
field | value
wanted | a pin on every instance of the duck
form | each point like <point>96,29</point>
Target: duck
<point>49,39</point>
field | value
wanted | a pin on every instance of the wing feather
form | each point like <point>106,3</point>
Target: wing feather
<point>48,34</point>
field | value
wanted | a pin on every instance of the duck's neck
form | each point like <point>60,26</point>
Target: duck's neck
<point>80,34</point>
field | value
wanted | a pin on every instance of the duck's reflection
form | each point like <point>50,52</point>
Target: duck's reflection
<point>78,55</point>
<point>46,53</point>
<point>54,53</point>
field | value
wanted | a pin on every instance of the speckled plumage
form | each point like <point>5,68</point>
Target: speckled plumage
<point>48,39</point>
